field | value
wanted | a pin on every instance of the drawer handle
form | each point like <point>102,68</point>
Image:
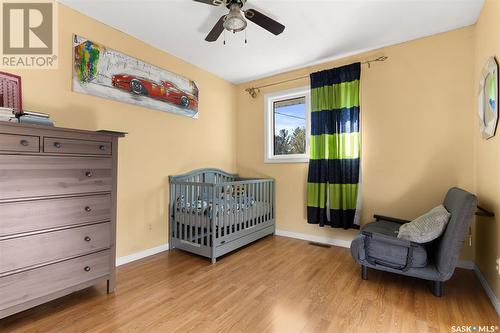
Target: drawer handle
<point>88,209</point>
<point>102,147</point>
<point>89,174</point>
<point>57,144</point>
<point>87,239</point>
<point>87,269</point>
<point>24,143</point>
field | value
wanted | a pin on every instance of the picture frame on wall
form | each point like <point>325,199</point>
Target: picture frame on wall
<point>11,92</point>
<point>107,73</point>
<point>488,99</point>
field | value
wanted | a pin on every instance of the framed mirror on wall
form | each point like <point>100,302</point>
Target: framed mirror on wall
<point>488,99</point>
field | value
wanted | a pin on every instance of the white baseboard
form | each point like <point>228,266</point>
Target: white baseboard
<point>466,264</point>
<point>487,289</point>
<point>313,238</point>
<point>142,254</point>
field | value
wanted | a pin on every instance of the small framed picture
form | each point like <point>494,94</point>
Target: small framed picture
<point>10,92</point>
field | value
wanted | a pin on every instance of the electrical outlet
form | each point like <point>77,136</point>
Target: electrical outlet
<point>498,265</point>
<point>150,227</point>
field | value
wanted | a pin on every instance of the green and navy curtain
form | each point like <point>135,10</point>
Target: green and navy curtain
<point>333,179</point>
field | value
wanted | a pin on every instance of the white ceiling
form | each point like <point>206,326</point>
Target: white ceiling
<point>316,30</point>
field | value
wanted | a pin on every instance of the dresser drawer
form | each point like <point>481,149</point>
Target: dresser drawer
<point>71,146</point>
<point>26,216</point>
<point>35,176</point>
<point>32,284</point>
<point>37,249</point>
<point>19,143</point>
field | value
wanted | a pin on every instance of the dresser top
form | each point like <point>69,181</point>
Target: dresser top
<point>27,127</point>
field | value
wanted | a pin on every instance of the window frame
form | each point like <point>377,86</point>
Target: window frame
<point>269,100</point>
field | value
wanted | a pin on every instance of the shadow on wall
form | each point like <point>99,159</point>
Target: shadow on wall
<point>409,195</point>
<point>74,116</point>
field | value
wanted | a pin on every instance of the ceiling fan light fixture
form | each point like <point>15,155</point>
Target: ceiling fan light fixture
<point>234,21</point>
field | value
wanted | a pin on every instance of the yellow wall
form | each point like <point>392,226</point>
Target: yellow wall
<point>487,153</point>
<point>416,132</point>
<point>158,144</point>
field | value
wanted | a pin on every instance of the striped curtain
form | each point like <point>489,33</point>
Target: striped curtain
<point>333,179</point>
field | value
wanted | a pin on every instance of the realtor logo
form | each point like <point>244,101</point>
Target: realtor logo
<point>29,39</point>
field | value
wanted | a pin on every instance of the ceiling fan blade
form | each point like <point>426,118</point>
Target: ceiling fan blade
<point>264,21</point>
<point>210,2</point>
<point>216,30</point>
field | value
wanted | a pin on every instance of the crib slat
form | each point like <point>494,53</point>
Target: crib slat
<point>263,218</point>
<point>254,210</point>
<point>247,206</point>
<point>207,220</point>
<point>190,213</point>
<point>199,227</point>
<point>268,206</point>
<point>233,210</point>
<point>273,207</point>
<point>224,206</point>
<point>226,214</point>
<point>265,200</point>
<point>227,208</point>
<point>236,210</point>
<point>221,212</point>
<point>215,214</point>
<point>259,207</point>
<point>214,210</point>
<point>171,212</point>
<point>250,209</point>
<point>240,209</point>
<point>268,201</point>
<point>197,221</point>
<point>177,214</point>
<point>230,210</point>
<point>184,224</point>
<point>256,217</point>
<point>189,235</point>
<point>194,209</point>
<point>271,192</point>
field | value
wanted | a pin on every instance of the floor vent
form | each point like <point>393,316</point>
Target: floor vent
<point>319,244</point>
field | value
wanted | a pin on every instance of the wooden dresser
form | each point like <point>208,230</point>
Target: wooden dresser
<point>57,213</point>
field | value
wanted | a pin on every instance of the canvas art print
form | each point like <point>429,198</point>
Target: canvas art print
<point>107,73</point>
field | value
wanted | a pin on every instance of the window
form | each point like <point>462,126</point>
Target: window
<point>287,126</point>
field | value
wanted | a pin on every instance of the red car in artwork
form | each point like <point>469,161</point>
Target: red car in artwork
<point>165,91</point>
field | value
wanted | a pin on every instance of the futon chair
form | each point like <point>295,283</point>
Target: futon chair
<point>378,247</point>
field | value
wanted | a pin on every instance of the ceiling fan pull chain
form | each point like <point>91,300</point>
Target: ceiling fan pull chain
<point>245,36</point>
<point>224,37</point>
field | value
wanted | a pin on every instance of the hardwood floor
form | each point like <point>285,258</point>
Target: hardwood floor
<point>274,285</point>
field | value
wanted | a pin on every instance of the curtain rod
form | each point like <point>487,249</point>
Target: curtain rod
<point>254,91</point>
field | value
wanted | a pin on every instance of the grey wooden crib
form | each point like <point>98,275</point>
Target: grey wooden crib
<point>212,212</point>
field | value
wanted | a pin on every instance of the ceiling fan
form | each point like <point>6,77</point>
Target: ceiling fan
<point>234,21</point>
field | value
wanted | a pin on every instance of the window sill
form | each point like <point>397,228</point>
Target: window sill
<point>287,160</point>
